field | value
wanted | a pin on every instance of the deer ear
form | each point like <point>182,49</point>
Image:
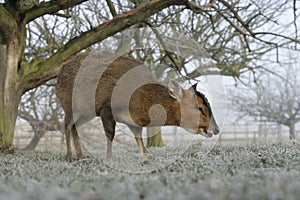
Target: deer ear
<point>194,87</point>
<point>175,90</point>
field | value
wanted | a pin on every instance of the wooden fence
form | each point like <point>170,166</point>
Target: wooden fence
<point>95,137</point>
<point>255,132</point>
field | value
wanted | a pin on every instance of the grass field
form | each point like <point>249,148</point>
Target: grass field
<point>250,171</point>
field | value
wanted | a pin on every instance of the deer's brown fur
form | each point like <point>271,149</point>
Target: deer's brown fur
<point>171,105</point>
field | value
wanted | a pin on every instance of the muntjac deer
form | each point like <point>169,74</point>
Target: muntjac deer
<point>120,89</point>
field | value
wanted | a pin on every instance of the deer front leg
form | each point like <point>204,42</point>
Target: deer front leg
<point>109,125</point>
<point>137,131</point>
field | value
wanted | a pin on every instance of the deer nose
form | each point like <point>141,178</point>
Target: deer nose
<point>216,130</point>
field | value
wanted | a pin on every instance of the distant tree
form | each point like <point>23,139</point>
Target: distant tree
<point>40,108</point>
<point>272,98</point>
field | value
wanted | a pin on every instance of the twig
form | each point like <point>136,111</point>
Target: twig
<point>199,9</point>
<point>163,45</point>
<point>237,17</point>
<point>275,74</point>
<point>295,23</point>
<point>111,8</point>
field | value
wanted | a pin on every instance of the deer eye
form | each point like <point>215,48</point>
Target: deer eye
<point>201,110</point>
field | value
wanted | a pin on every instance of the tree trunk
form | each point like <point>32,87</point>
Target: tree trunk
<point>10,95</point>
<point>292,130</point>
<point>2,72</point>
<point>38,134</point>
<point>40,128</point>
<point>154,137</point>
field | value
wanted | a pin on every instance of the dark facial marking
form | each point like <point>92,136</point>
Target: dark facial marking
<point>204,99</point>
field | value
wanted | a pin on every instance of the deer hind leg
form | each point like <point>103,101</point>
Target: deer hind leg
<point>70,127</point>
<point>137,131</point>
<point>68,143</point>
<point>68,130</point>
<point>76,139</point>
<point>109,125</point>
<point>68,138</point>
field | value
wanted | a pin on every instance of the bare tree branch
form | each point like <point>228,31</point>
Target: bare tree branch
<point>49,7</point>
<point>173,60</point>
<point>295,23</point>
<point>41,70</point>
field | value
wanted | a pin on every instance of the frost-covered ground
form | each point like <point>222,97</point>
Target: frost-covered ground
<point>256,171</point>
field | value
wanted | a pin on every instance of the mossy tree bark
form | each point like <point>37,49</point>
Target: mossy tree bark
<point>10,95</point>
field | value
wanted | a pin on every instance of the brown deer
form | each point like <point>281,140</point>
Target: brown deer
<point>120,89</point>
